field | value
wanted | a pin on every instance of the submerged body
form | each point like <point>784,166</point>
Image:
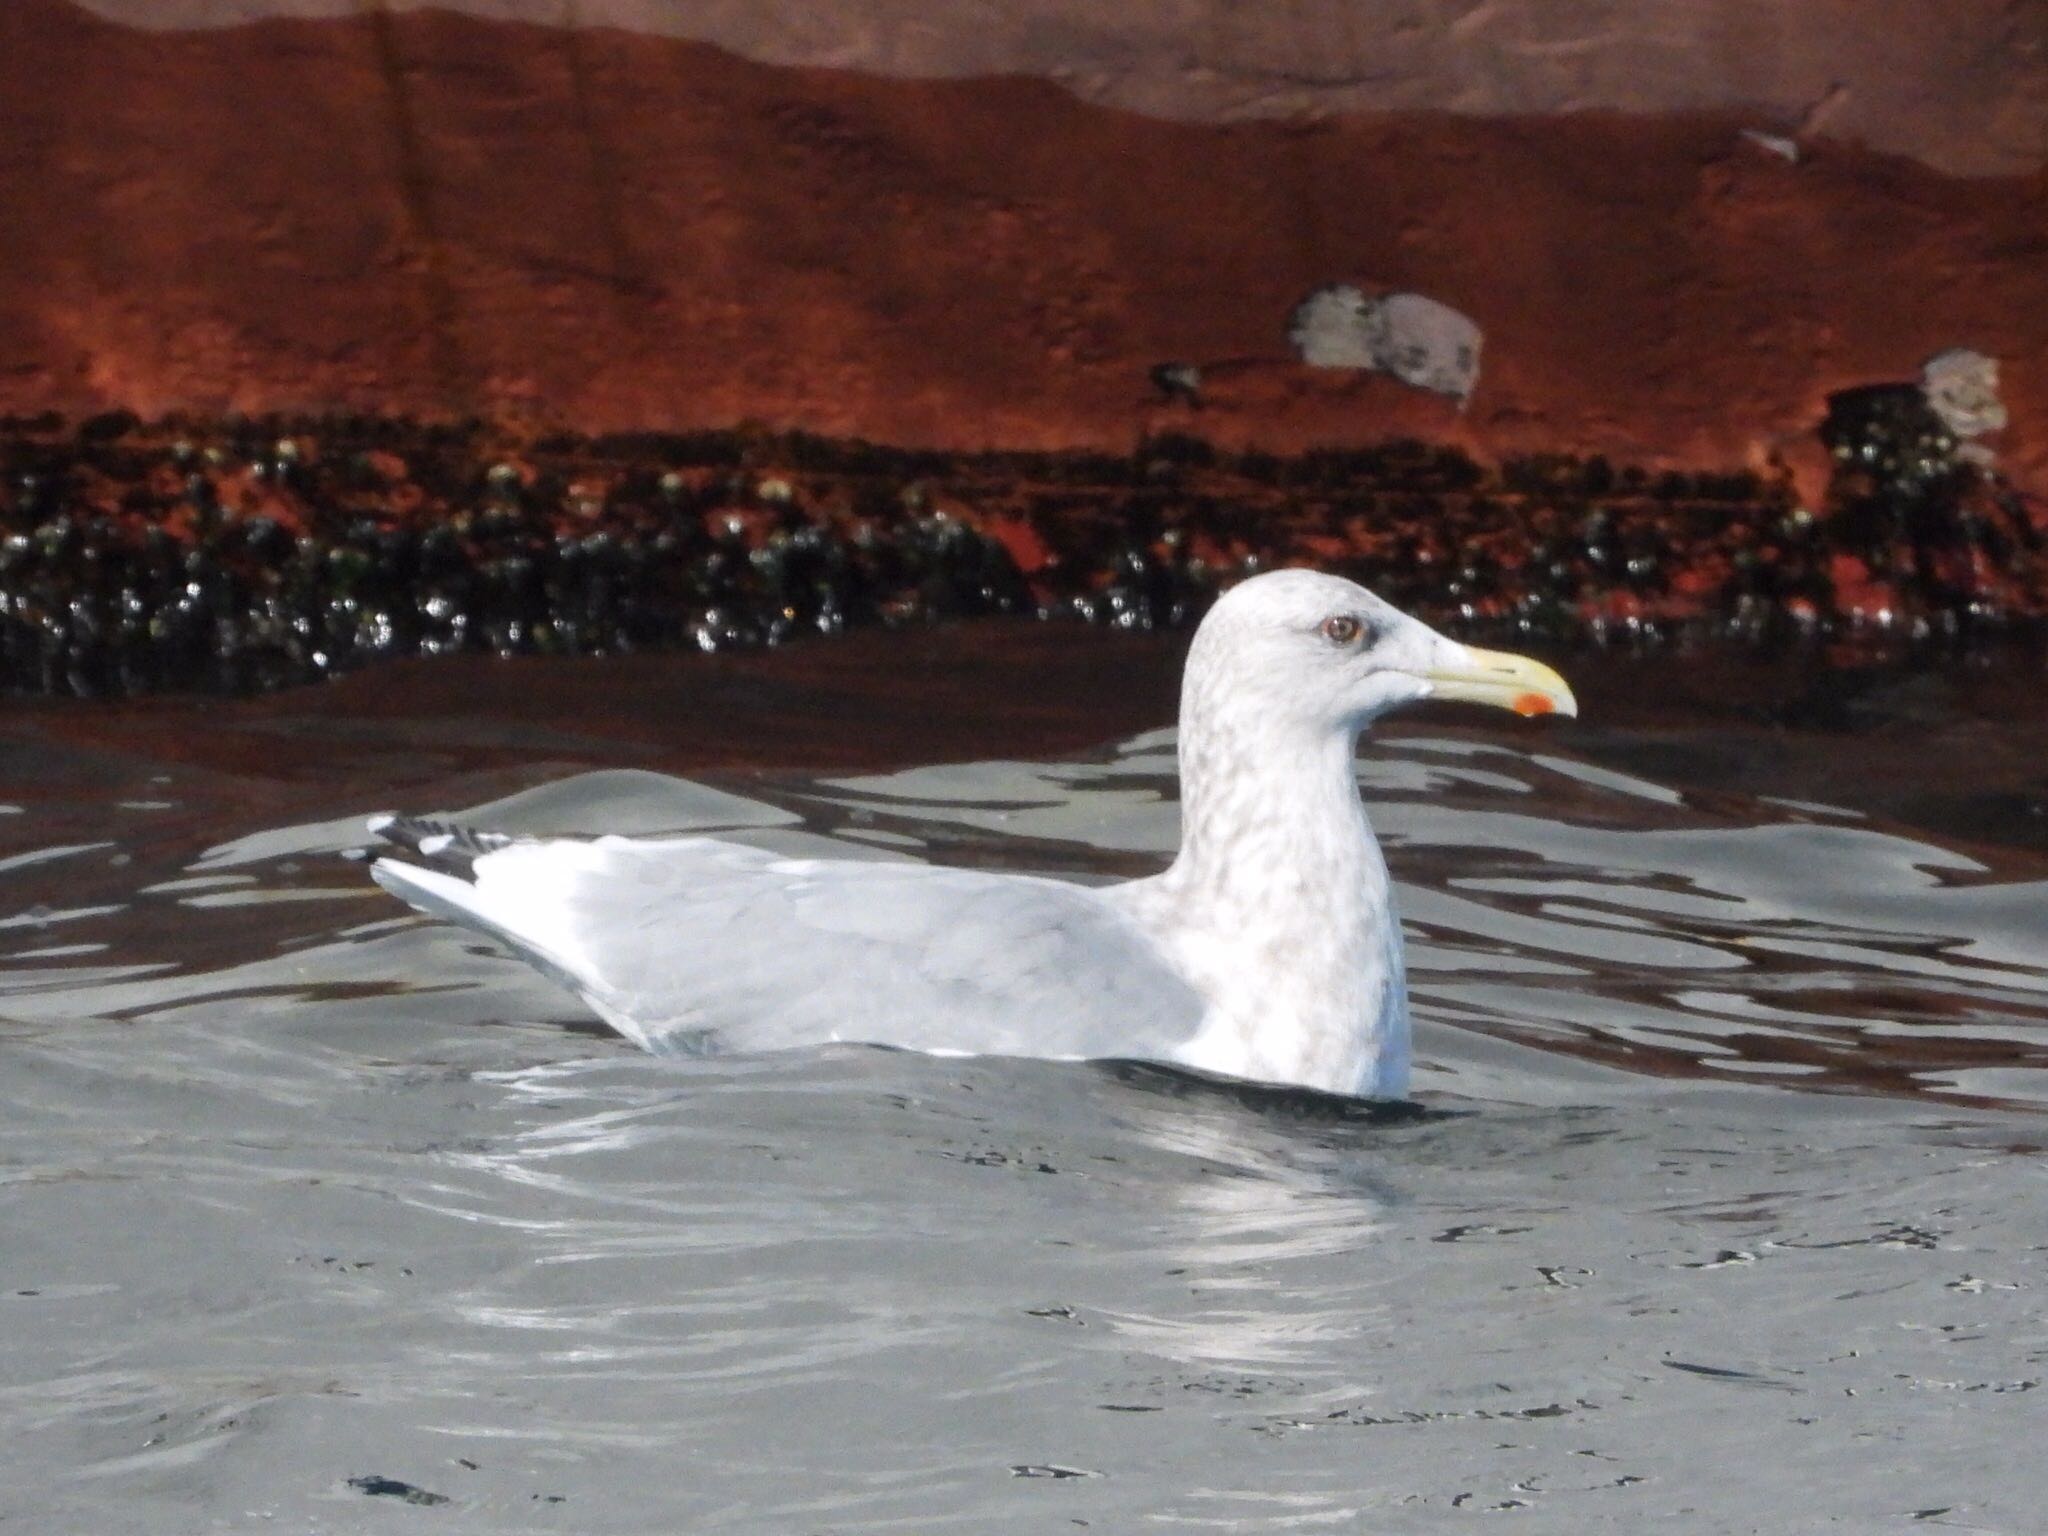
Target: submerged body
<point>1268,950</point>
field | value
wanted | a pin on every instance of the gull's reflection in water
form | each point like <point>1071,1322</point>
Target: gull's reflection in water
<point>1282,1198</point>
<point>1212,1227</point>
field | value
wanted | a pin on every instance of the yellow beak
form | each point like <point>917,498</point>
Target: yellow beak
<point>1504,681</point>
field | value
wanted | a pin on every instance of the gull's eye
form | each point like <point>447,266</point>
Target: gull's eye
<point>1343,628</point>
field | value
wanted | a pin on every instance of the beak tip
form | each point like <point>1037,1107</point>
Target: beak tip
<point>1519,683</point>
<point>1557,701</point>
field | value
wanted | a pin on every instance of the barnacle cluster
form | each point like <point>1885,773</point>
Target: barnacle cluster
<point>245,553</point>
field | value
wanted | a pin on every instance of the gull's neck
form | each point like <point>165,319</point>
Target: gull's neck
<point>1269,814</point>
<point>1282,897</point>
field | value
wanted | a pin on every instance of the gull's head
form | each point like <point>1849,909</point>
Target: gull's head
<point>1327,652</point>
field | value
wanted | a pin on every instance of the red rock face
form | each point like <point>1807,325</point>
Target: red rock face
<point>1959,84</point>
<point>438,214</point>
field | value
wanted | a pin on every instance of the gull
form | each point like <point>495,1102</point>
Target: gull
<point>1269,950</point>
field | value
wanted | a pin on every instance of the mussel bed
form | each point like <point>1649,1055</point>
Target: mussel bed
<point>246,553</point>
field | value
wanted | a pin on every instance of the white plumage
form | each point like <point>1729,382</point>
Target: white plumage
<point>1268,950</point>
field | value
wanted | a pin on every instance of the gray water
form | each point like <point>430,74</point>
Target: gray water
<point>1725,1205</point>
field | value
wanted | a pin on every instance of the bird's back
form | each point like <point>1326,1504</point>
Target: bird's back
<point>695,942</point>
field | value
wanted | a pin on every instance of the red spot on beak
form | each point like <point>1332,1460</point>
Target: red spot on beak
<point>1533,704</point>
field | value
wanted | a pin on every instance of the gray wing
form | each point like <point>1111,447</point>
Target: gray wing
<point>684,940</point>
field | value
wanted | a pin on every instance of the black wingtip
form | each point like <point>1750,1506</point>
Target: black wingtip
<point>437,844</point>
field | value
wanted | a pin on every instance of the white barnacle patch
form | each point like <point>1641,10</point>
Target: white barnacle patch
<point>1417,339</point>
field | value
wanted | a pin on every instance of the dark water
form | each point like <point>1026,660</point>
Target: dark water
<point>1727,1205</point>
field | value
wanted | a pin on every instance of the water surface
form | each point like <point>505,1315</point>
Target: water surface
<point>1725,1203</point>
